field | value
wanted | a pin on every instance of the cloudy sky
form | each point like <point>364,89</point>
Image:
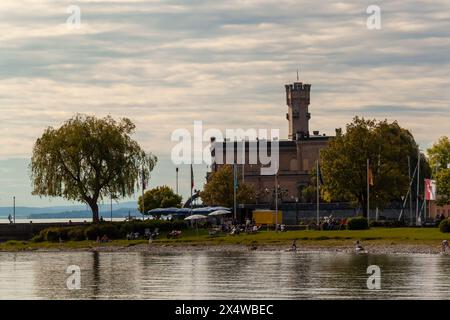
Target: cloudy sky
<point>165,64</point>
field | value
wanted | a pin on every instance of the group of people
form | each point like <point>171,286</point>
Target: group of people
<point>103,239</point>
<point>235,228</point>
<point>332,223</point>
<point>440,217</point>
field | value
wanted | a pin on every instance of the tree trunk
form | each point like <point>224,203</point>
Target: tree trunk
<point>94,208</point>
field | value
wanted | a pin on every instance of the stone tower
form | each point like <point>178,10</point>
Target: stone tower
<point>297,99</point>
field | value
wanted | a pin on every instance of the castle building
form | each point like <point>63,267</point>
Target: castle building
<point>298,155</point>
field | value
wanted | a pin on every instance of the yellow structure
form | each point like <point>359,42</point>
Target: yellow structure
<point>267,217</point>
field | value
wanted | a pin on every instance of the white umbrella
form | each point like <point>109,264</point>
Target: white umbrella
<point>219,213</point>
<point>196,217</point>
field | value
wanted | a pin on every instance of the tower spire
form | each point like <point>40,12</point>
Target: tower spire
<point>297,75</point>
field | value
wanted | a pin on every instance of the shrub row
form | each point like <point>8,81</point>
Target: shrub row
<point>357,223</point>
<point>387,223</point>
<point>111,230</point>
<point>444,226</point>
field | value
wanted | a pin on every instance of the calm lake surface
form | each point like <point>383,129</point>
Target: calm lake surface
<point>222,275</point>
<point>4,220</point>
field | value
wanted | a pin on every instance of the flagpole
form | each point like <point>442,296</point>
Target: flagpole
<point>410,193</point>
<point>418,186</point>
<point>243,164</point>
<point>234,191</point>
<point>192,185</point>
<point>276,202</point>
<point>318,193</point>
<point>378,174</point>
<point>143,190</point>
<point>14,209</point>
<point>176,178</point>
<point>368,191</point>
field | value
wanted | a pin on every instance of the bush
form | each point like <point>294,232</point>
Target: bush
<point>52,234</point>
<point>111,230</point>
<point>76,234</point>
<point>444,226</point>
<point>38,238</point>
<point>374,223</point>
<point>99,230</point>
<point>358,223</point>
<point>387,223</point>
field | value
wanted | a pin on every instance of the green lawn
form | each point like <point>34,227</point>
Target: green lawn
<point>377,236</point>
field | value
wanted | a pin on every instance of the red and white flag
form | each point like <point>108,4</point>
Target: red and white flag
<point>430,189</point>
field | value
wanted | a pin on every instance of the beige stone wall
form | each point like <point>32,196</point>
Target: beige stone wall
<point>296,163</point>
<point>435,210</point>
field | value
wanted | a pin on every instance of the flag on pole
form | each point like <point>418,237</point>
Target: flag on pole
<point>430,189</point>
<point>319,173</point>
<point>370,176</point>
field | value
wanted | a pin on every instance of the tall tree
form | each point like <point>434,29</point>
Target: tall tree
<point>443,186</point>
<point>387,146</point>
<point>159,197</point>
<point>439,155</point>
<point>219,189</point>
<point>88,159</point>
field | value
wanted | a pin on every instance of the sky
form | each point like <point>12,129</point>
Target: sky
<point>166,64</point>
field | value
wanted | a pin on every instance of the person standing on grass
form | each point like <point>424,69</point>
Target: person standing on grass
<point>444,246</point>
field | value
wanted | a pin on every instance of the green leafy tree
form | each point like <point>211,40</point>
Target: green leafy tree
<point>439,155</point>
<point>219,189</point>
<point>88,159</point>
<point>387,146</point>
<point>308,193</point>
<point>443,185</point>
<point>159,197</point>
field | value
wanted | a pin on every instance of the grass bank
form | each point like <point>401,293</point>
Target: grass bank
<point>375,237</point>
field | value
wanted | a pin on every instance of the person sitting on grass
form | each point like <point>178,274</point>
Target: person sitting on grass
<point>104,238</point>
<point>358,246</point>
<point>294,246</point>
<point>235,230</point>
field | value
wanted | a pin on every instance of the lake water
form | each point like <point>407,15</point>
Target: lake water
<point>222,275</point>
<point>5,220</point>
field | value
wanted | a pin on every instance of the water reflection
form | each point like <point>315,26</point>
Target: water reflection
<point>222,275</point>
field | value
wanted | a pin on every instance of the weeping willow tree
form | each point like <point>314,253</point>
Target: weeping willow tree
<point>88,159</point>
